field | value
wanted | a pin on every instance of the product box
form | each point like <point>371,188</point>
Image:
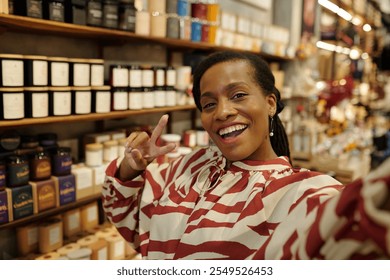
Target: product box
<point>89,216</point>
<point>66,189</point>
<point>27,237</point>
<point>50,236</point>
<point>71,222</point>
<point>84,185</point>
<point>98,175</point>
<point>45,195</point>
<point>6,214</point>
<point>22,201</point>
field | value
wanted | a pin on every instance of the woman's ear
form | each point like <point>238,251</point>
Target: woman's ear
<point>271,101</point>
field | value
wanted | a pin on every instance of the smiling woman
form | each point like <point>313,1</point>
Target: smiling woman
<point>241,199</point>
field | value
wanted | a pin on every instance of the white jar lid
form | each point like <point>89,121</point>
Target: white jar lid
<point>171,137</point>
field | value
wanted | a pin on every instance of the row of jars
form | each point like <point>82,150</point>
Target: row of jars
<point>40,164</point>
<point>136,76</point>
<point>39,102</point>
<point>34,70</point>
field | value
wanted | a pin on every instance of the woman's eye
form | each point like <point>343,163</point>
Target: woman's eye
<point>239,95</point>
<point>208,106</point>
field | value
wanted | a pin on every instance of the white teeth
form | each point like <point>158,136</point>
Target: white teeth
<point>230,129</point>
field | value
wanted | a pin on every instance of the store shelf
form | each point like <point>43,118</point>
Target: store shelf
<point>51,212</point>
<point>92,116</point>
<point>108,36</point>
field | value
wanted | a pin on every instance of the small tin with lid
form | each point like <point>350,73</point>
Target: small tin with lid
<point>101,99</point>
<point>80,72</point>
<point>97,72</point>
<point>110,14</point>
<point>11,103</point>
<point>11,70</point>
<point>81,100</point>
<point>60,101</point>
<point>94,12</point>
<point>61,160</point>
<point>120,98</point>
<point>29,141</point>
<point>54,10</point>
<point>59,71</point>
<point>17,170</point>
<point>37,102</point>
<point>36,70</point>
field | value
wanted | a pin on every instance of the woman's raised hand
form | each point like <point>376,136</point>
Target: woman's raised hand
<point>142,149</point>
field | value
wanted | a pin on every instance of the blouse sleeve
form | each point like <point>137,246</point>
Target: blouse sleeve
<point>347,224</point>
<point>121,199</point>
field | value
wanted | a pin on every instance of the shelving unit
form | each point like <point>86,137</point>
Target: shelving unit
<point>50,212</point>
<point>107,36</point>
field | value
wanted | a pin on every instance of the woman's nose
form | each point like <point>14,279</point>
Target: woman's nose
<point>224,110</point>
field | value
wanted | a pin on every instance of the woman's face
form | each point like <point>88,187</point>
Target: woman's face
<point>235,111</point>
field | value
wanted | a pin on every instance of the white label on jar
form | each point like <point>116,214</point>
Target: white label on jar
<point>120,77</point>
<point>54,235</point>
<point>103,101</point>
<point>40,104</point>
<point>32,236</point>
<point>102,254</point>
<point>171,77</point>
<point>160,77</point>
<point>81,74</point>
<point>13,105</point>
<point>74,221</point>
<point>148,99</point>
<point>12,73</point>
<point>135,100</point>
<point>59,74</point>
<point>83,102</point>
<point>40,75</point>
<point>120,100</point>
<point>142,23</point>
<point>92,214</point>
<point>62,103</point>
<point>159,98</point>
<point>94,158</point>
<point>97,75</point>
<point>135,78</point>
<point>170,98</point>
<point>147,78</point>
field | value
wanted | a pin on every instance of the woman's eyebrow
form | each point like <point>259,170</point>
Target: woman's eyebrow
<point>227,87</point>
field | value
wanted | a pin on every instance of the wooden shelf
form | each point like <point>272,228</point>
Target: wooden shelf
<point>51,212</point>
<point>92,116</point>
<point>108,36</point>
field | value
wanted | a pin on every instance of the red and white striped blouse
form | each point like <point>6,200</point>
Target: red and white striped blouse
<point>195,209</point>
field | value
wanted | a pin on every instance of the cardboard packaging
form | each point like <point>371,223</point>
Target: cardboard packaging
<point>6,213</point>
<point>66,189</point>
<point>45,195</point>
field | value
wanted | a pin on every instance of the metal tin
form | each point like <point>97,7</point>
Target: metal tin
<point>11,103</point>
<point>81,100</point>
<point>97,72</point>
<point>101,99</point>
<point>36,102</point>
<point>80,72</point>
<point>11,70</point>
<point>36,69</point>
<point>60,100</point>
<point>59,71</point>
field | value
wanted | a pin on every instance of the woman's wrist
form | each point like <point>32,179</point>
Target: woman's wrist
<point>126,173</point>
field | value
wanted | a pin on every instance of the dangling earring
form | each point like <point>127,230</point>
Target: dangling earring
<point>272,127</point>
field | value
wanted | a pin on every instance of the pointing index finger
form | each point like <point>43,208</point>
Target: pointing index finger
<point>159,129</point>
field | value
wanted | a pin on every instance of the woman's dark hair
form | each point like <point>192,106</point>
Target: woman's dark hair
<point>263,76</point>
